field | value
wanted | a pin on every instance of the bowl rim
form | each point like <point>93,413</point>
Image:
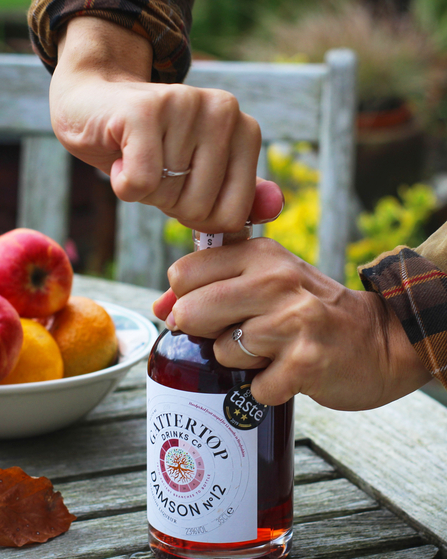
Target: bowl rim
<point>67,382</point>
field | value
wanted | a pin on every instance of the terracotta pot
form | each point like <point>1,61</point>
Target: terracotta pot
<point>390,152</point>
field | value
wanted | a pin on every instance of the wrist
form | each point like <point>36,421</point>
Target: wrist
<point>406,371</point>
<point>99,48</point>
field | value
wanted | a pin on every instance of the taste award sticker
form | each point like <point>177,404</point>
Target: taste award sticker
<point>241,410</point>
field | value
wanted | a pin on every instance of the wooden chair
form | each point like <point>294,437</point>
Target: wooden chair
<point>292,102</point>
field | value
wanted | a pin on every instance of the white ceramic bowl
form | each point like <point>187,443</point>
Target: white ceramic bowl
<point>36,408</point>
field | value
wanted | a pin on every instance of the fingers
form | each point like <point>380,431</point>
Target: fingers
<point>189,128</point>
<point>163,306</point>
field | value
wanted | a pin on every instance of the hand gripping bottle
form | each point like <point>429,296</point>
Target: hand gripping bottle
<point>219,464</point>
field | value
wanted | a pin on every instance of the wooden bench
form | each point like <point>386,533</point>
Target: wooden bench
<point>313,102</point>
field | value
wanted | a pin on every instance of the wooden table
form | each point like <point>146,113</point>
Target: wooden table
<point>369,484</point>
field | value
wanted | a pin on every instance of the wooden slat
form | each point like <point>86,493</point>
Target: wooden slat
<point>125,492</point>
<point>368,532</point>
<point>24,89</point>
<point>93,539</point>
<point>141,257</point>
<point>424,552</point>
<point>310,467</point>
<point>271,93</point>
<point>397,453</point>
<point>135,378</point>
<point>337,162</point>
<point>44,186</point>
<point>127,533</point>
<point>78,451</point>
<point>326,499</point>
<point>104,496</point>
<point>126,404</point>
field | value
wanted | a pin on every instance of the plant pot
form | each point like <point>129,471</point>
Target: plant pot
<point>390,152</point>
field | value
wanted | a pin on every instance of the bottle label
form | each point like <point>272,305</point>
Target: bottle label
<point>202,472</point>
<point>210,240</point>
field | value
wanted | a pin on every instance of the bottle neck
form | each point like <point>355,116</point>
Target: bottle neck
<point>211,240</point>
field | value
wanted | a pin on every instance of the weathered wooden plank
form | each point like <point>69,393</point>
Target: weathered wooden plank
<point>135,378</point>
<point>310,467</point>
<point>126,534</point>
<point>140,254</point>
<point>44,186</point>
<point>128,404</point>
<point>350,536</point>
<point>141,555</point>
<point>78,451</point>
<point>92,539</point>
<point>424,552</point>
<point>24,105</point>
<point>397,453</point>
<point>326,499</point>
<point>269,93</point>
<point>105,496</point>
<point>337,161</point>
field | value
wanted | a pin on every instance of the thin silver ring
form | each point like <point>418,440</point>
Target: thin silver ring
<point>237,335</point>
<point>167,173</point>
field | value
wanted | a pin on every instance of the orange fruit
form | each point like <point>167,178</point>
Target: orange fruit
<point>85,334</point>
<point>40,358</point>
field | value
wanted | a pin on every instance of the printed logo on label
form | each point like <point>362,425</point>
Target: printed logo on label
<point>181,465</point>
<point>241,410</point>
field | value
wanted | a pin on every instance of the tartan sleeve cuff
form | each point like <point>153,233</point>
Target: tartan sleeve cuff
<point>417,291</point>
<point>165,23</point>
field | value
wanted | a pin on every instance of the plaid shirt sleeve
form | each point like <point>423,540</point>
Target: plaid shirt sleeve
<point>417,291</point>
<point>165,23</point>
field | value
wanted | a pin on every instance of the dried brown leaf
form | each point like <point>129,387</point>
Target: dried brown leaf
<point>30,510</point>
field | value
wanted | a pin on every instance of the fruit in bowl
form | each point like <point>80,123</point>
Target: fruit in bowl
<point>61,335</point>
<point>39,358</point>
<point>85,335</point>
<point>35,273</point>
<point>11,337</point>
<point>35,408</point>
<point>60,355</point>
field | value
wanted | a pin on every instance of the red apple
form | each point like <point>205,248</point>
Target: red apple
<point>11,337</point>
<point>35,273</point>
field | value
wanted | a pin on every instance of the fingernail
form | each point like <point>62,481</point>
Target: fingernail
<point>170,322</point>
<point>276,216</point>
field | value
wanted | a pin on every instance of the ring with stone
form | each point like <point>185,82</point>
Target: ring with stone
<point>237,335</point>
<point>167,173</point>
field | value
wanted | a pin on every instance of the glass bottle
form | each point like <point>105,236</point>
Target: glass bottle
<point>220,465</point>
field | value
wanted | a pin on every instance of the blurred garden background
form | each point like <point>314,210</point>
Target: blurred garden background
<point>401,159</point>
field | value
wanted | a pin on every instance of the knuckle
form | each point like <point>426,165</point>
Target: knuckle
<point>234,222</point>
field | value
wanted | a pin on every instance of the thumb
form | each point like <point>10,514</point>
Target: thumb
<point>268,203</point>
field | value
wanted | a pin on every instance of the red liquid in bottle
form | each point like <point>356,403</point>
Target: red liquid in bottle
<point>187,363</point>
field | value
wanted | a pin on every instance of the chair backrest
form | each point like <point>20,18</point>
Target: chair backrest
<point>292,102</point>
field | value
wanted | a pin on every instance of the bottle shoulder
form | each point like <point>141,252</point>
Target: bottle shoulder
<point>188,363</point>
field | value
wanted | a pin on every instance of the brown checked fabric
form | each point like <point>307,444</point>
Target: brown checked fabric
<point>165,23</point>
<point>417,291</point>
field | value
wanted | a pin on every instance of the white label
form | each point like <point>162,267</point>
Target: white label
<point>210,240</point>
<point>202,473</point>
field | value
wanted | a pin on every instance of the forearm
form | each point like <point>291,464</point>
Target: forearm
<point>164,24</point>
<point>92,46</point>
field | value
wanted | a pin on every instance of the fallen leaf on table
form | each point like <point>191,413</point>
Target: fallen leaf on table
<point>30,510</point>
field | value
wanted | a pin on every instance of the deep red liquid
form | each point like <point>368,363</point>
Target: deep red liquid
<point>187,363</point>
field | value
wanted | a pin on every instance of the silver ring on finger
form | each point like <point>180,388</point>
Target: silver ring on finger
<point>237,335</point>
<point>167,173</point>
